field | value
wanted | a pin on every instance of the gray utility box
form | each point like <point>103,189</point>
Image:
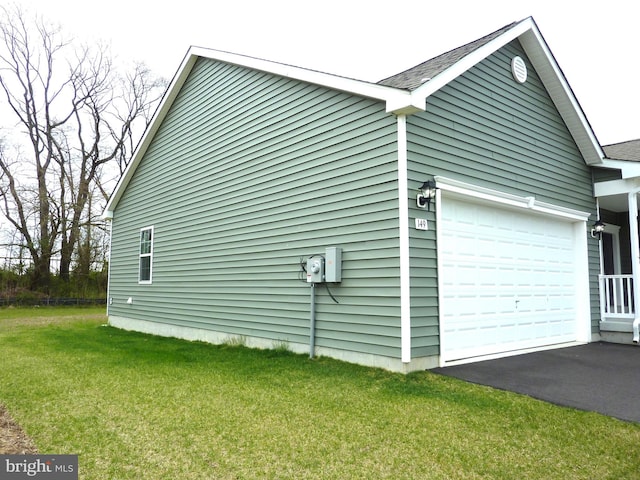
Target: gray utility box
<point>333,265</point>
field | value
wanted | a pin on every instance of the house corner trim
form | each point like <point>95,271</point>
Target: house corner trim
<point>403,216</point>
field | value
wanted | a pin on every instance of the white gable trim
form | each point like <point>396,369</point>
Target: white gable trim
<point>545,64</point>
<point>556,84</point>
<point>396,98</point>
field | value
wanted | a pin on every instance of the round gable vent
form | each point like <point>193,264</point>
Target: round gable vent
<point>519,69</point>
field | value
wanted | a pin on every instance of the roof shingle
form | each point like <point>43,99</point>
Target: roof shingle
<point>629,150</point>
<point>414,77</point>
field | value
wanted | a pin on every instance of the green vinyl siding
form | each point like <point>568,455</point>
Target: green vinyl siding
<point>248,174</point>
<point>486,129</point>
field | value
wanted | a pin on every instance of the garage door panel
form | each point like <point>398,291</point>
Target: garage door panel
<point>507,277</point>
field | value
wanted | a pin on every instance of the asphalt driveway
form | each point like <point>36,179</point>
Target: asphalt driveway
<point>599,377</point>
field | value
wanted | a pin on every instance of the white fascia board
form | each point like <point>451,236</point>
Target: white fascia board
<point>396,100</point>
<point>165,104</point>
<point>405,103</point>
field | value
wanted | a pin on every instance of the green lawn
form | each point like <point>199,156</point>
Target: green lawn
<point>135,406</point>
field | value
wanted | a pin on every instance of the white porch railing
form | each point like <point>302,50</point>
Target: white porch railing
<point>616,297</point>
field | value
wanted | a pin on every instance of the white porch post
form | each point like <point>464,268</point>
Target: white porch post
<point>635,256</point>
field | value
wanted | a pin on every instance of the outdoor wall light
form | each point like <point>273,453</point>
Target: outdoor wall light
<point>426,193</point>
<point>597,229</point>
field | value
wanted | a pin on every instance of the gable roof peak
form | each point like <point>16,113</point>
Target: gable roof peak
<point>416,76</point>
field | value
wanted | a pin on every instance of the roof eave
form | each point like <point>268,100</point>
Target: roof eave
<point>360,87</point>
<point>397,101</point>
<point>562,95</point>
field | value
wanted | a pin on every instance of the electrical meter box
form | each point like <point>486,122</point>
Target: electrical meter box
<point>327,268</point>
<point>333,265</point>
<point>315,269</point>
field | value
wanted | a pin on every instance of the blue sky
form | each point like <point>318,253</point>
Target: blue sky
<point>595,45</point>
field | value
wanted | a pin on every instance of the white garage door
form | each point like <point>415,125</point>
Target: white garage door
<point>508,280</point>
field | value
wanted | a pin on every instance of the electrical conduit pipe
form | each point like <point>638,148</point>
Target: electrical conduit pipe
<point>312,323</point>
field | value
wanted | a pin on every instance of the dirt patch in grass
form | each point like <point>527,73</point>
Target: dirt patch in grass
<point>13,440</point>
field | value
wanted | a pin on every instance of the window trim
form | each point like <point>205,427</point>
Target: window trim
<point>145,255</point>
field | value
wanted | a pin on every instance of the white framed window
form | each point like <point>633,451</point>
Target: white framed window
<point>145,269</point>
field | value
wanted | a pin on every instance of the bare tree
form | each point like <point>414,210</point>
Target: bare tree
<point>79,118</point>
<point>104,130</point>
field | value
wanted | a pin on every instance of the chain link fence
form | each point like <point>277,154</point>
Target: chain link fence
<point>29,301</point>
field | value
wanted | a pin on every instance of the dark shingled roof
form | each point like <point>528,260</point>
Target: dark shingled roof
<point>629,150</point>
<point>416,76</point>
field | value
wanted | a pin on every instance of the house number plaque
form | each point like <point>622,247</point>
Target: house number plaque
<point>421,224</point>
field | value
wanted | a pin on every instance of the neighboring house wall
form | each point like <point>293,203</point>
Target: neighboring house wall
<point>248,173</point>
<point>484,128</point>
